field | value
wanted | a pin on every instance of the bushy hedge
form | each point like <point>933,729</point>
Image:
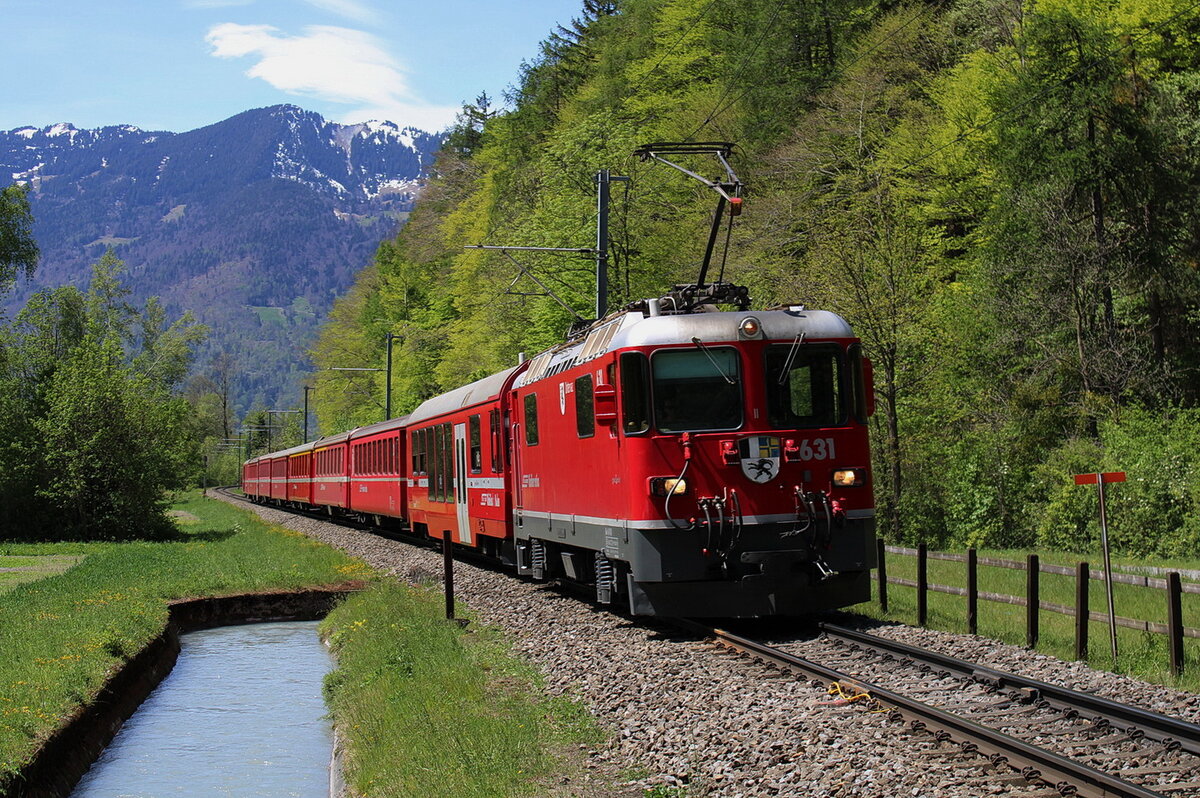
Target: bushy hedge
<point>1155,512</point>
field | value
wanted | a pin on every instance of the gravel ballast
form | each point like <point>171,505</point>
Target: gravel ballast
<point>683,714</point>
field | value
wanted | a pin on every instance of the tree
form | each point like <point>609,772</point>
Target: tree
<point>18,250</point>
<point>87,385</point>
<point>467,134</point>
<point>113,441</point>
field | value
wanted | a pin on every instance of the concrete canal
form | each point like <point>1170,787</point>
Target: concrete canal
<point>241,714</point>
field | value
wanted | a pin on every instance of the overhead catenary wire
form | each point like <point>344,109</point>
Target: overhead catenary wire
<point>741,68</point>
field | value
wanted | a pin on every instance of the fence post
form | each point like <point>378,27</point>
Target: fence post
<point>1175,622</point>
<point>881,559</point>
<point>1082,612</point>
<point>448,566</point>
<point>1031,600</point>
<point>922,583</point>
<point>972,591</point>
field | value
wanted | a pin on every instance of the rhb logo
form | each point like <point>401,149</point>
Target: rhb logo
<point>760,457</point>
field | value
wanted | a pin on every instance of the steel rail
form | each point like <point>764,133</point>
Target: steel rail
<point>1035,764</point>
<point>1153,725</point>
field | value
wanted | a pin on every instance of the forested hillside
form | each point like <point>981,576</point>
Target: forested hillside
<point>1001,198</point>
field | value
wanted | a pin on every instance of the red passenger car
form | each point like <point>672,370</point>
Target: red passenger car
<point>378,487</point>
<point>299,475</point>
<point>278,478</point>
<point>331,472</point>
<point>250,485</point>
<point>457,465</point>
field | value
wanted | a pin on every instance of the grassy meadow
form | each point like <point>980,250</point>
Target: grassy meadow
<point>1142,655</point>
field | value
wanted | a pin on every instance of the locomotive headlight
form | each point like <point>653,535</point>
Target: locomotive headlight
<point>750,328</point>
<point>849,477</point>
<point>665,486</point>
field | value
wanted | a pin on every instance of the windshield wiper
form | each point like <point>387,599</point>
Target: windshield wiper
<point>700,345</point>
<point>787,364</point>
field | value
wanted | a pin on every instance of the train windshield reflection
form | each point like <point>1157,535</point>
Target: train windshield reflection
<point>697,389</point>
<point>809,393</point>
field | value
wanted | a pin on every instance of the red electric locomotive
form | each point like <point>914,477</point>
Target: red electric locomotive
<point>699,463</point>
<point>684,460</point>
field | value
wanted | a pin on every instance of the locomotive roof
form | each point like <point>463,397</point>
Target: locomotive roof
<point>470,394</point>
<point>634,329</point>
<point>777,325</point>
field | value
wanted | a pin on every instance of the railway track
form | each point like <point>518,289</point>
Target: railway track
<point>998,725</point>
<point>1059,740</point>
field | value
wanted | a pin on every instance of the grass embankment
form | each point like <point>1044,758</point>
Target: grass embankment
<point>428,708</point>
<point>431,708</point>
<point>1142,655</point>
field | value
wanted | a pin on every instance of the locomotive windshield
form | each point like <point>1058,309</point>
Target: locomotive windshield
<point>804,386</point>
<point>696,389</point>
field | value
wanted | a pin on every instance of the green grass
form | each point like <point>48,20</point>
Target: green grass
<point>1142,655</point>
<point>61,635</point>
<point>270,315</point>
<point>430,708</point>
<point>31,569</point>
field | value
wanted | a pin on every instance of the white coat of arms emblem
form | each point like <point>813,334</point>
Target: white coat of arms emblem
<point>760,457</point>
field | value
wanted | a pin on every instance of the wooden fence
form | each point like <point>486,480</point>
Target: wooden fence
<point>1172,584</point>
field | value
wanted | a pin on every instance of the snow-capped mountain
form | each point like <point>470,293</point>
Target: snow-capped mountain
<point>350,163</point>
<point>255,223</point>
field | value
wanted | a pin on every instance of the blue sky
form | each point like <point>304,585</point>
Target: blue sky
<point>182,64</point>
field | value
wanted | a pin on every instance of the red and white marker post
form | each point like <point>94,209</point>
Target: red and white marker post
<point>1100,479</point>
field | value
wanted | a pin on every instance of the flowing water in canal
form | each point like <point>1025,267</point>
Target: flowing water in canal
<point>240,715</point>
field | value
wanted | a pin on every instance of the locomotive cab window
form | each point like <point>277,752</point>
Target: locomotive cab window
<point>804,386</point>
<point>635,393</point>
<point>858,382</point>
<point>696,389</point>
<point>531,421</point>
<point>585,412</point>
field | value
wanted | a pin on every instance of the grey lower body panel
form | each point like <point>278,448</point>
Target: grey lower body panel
<point>763,569</point>
<point>750,596</point>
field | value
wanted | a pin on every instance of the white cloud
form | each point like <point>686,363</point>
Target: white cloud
<point>350,9</point>
<point>330,63</point>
